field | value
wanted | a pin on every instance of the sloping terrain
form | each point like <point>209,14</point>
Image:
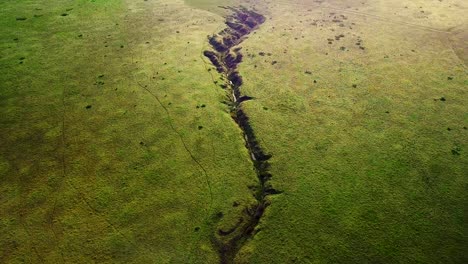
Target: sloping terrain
<point>366,120</point>
<point>115,147</point>
<point>118,144</point>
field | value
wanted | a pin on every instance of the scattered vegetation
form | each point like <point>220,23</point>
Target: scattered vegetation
<point>118,144</point>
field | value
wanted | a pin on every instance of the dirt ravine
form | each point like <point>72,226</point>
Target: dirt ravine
<point>225,57</point>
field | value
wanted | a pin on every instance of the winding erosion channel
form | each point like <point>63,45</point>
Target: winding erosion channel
<point>226,56</point>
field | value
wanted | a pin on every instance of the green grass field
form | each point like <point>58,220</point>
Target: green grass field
<point>115,146</point>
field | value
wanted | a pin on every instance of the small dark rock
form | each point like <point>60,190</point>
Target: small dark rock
<point>64,14</point>
<point>88,106</point>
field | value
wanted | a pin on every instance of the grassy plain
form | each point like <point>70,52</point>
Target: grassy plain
<point>93,168</point>
<point>115,147</point>
<point>365,144</point>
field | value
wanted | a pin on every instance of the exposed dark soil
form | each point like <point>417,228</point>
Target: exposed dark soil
<point>226,56</point>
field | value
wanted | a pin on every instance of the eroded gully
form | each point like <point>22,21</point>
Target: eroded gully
<point>226,56</point>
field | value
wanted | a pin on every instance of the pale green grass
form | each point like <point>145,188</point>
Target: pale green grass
<point>114,183</point>
<point>364,154</point>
